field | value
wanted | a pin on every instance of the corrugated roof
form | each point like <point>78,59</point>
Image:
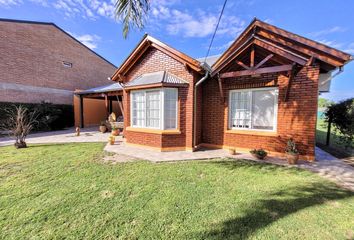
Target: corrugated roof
<point>102,89</point>
<point>209,60</point>
<point>155,77</point>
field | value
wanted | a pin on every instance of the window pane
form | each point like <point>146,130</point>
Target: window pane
<point>263,109</point>
<point>240,110</point>
<point>153,109</point>
<point>170,108</point>
<point>138,111</point>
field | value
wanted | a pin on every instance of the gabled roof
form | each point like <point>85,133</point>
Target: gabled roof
<point>60,29</point>
<point>155,78</point>
<point>101,89</point>
<point>292,46</point>
<point>144,45</point>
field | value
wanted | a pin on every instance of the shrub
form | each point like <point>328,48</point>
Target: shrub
<point>341,115</point>
<point>50,116</point>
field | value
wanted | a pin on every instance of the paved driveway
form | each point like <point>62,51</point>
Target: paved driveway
<point>62,136</point>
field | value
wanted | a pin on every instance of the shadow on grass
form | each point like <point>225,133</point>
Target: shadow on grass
<point>274,207</point>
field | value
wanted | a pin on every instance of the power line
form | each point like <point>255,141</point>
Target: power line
<point>216,28</point>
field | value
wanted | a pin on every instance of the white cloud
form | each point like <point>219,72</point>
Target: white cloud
<point>350,48</point>
<point>198,24</point>
<point>9,3</point>
<point>91,41</point>
<point>333,44</point>
<point>327,31</point>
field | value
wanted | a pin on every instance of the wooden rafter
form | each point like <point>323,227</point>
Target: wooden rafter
<point>243,65</point>
<point>252,57</point>
<point>280,51</point>
<point>282,68</point>
<point>264,61</point>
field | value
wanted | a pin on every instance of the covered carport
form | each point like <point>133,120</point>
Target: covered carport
<point>94,105</point>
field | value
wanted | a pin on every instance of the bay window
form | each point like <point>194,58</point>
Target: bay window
<point>154,108</point>
<point>254,109</point>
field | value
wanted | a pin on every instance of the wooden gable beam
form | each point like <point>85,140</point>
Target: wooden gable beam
<point>243,65</point>
<point>280,51</point>
<point>264,61</point>
<point>252,57</point>
<point>282,68</point>
<point>323,57</point>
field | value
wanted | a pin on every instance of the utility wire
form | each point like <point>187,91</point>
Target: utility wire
<point>216,28</point>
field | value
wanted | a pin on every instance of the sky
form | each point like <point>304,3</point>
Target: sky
<point>188,25</point>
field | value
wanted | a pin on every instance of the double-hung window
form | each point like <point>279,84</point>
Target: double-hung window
<point>154,108</point>
<point>253,109</point>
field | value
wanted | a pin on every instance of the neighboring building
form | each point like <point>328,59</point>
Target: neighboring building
<point>41,62</point>
<point>260,92</point>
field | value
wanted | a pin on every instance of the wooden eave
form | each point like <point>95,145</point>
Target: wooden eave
<point>142,47</point>
<point>292,46</point>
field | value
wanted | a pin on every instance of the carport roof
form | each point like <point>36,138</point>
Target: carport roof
<point>101,89</point>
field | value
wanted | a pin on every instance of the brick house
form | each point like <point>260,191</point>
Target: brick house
<point>41,62</point>
<point>260,92</point>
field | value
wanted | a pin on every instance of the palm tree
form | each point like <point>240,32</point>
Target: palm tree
<point>132,13</point>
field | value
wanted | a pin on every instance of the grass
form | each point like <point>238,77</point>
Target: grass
<point>336,148</point>
<point>65,191</point>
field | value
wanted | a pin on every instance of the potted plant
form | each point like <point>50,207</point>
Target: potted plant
<point>232,151</point>
<point>115,131</point>
<point>103,127</point>
<point>111,140</point>
<point>259,153</point>
<point>292,154</point>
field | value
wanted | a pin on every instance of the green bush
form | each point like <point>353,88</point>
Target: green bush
<point>341,115</point>
<point>50,116</point>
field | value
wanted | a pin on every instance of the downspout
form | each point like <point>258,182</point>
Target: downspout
<point>205,77</point>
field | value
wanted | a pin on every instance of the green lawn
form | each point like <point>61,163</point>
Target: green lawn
<point>336,147</point>
<point>65,191</point>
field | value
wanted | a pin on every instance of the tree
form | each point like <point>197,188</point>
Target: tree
<point>341,115</point>
<point>132,13</point>
<point>20,123</point>
<point>324,103</point>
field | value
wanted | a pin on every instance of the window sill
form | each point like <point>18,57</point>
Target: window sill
<point>252,132</point>
<point>154,131</point>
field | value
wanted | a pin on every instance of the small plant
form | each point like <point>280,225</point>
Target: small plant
<point>292,154</point>
<point>111,139</point>
<point>103,127</point>
<point>291,147</point>
<point>232,151</point>
<point>259,153</point>
<point>20,122</point>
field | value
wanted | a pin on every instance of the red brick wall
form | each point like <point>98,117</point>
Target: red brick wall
<point>296,117</point>
<point>32,55</point>
<point>154,60</point>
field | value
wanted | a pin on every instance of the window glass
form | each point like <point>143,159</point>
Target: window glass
<point>253,109</point>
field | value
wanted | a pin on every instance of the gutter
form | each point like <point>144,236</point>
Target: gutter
<point>207,69</point>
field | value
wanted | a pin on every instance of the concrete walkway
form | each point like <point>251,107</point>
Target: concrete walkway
<point>62,136</point>
<point>326,165</point>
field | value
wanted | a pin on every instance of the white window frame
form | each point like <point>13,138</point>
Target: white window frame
<point>275,120</point>
<point>162,108</point>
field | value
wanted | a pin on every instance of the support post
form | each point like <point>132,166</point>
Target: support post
<point>110,106</point>
<point>81,111</point>
<point>328,138</point>
<point>106,105</point>
<point>221,89</point>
